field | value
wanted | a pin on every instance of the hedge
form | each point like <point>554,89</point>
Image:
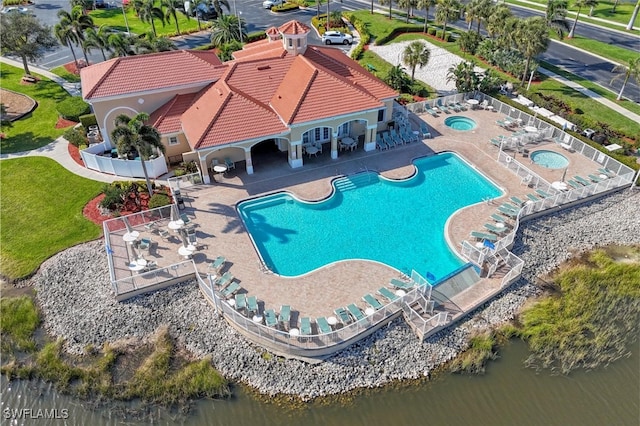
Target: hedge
<point>72,108</point>
<point>285,7</point>
<point>404,29</point>
<point>88,120</point>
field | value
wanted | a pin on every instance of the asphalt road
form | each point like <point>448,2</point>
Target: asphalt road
<point>257,18</point>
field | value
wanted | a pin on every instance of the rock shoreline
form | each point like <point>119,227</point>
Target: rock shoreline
<point>74,294</point>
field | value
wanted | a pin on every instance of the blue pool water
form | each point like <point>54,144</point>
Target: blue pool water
<point>398,223</point>
<point>458,122</point>
<point>549,159</point>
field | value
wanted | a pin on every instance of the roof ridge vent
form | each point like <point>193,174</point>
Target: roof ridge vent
<point>264,67</point>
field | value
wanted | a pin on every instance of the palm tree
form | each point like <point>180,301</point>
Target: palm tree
<point>498,16</point>
<point>396,78</point>
<point>555,15</point>
<point>634,15</point>
<point>626,71</point>
<point>119,44</point>
<point>171,11</point>
<point>226,29</point>
<point>148,13</point>
<point>532,38</point>
<point>464,76</point>
<point>217,5</point>
<point>133,134</point>
<point>485,8</point>
<point>471,12</point>
<point>408,5</point>
<point>580,4</point>
<point>446,10</point>
<point>67,37</point>
<point>389,2</point>
<point>415,54</point>
<point>426,4</point>
<point>72,26</point>
<point>150,44</point>
<point>98,39</point>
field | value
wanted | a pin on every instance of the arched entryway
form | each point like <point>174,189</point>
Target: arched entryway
<point>268,153</point>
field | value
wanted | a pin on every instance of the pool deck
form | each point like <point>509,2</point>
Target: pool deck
<point>219,228</point>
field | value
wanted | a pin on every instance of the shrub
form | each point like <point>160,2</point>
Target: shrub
<point>72,108</point>
<point>75,137</point>
<point>285,7</point>
<point>227,49</point>
<point>431,31</point>
<point>113,196</point>
<point>255,36</point>
<point>158,200</point>
<point>400,30</point>
<point>88,120</point>
<point>469,41</point>
<point>404,99</point>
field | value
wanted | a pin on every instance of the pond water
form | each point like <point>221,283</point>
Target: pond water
<point>508,394</point>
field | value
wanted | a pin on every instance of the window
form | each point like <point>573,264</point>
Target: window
<point>325,134</point>
<point>380,115</point>
<point>290,42</point>
<point>305,137</point>
<point>173,140</point>
<point>343,130</point>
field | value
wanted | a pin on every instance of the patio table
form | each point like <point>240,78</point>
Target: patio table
<point>130,237</point>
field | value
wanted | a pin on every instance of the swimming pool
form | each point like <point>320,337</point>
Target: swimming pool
<point>549,159</point>
<point>398,223</point>
<point>458,122</point>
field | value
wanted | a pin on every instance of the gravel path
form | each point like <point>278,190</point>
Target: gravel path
<point>434,74</point>
<point>75,296</point>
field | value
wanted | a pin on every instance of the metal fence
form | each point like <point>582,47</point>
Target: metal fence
<point>184,181</point>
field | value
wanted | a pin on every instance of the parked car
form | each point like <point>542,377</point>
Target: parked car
<point>100,4</point>
<point>268,4</point>
<point>15,9</point>
<point>206,12</point>
<point>336,37</point>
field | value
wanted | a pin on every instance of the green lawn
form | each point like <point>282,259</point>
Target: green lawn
<point>62,72</point>
<point>602,11</point>
<point>41,213</point>
<point>37,129</point>
<point>113,17</point>
<point>613,53</point>
<point>379,25</point>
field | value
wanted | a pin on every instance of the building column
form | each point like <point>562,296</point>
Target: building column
<point>334,145</point>
<point>248,161</point>
<point>370,138</point>
<point>295,154</point>
<point>204,170</point>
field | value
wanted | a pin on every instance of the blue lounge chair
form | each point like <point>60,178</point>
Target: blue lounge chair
<point>305,326</point>
<point>498,218</point>
<point>145,244</point>
<point>594,178</point>
<point>241,301</point>
<point>230,290</point>
<point>408,136</point>
<point>355,312</point>
<point>403,285</point>
<point>431,111</point>
<point>218,263</point>
<point>323,325</point>
<point>581,180</point>
<point>426,133</point>
<point>395,137</point>
<point>517,201</point>
<point>508,212</point>
<point>225,279</point>
<point>496,142</point>
<point>372,301</point>
<point>572,183</point>
<point>185,219</point>
<point>484,236</point>
<point>495,229</point>
<point>285,316</point>
<point>543,193</point>
<point>461,106</point>
<point>453,106</point>
<point>343,316</point>
<point>380,143</point>
<point>533,197</point>
<point>388,140</point>
<point>606,172</point>
<point>252,305</point>
<point>443,108</point>
<point>270,318</point>
<point>387,294</point>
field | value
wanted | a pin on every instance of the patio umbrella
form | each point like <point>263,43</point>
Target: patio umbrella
<point>134,255</point>
<point>174,213</point>
<point>183,236</point>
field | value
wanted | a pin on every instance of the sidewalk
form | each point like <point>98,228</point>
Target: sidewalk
<point>593,95</point>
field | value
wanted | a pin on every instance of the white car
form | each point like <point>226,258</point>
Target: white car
<point>336,37</point>
<point>268,4</point>
<point>15,9</point>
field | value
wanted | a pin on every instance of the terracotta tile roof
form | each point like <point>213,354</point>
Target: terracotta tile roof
<point>293,27</point>
<point>261,49</point>
<point>269,73</point>
<point>167,119</point>
<point>220,116</point>
<point>131,74</point>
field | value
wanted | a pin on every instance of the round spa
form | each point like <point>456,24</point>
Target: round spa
<point>458,122</point>
<point>549,159</point>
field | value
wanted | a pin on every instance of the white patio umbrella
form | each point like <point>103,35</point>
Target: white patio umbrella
<point>174,213</point>
<point>183,236</point>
